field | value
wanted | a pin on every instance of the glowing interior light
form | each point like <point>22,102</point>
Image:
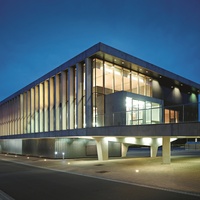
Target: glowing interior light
<point>147,141</point>
<point>111,139</point>
<point>137,170</point>
<point>130,140</point>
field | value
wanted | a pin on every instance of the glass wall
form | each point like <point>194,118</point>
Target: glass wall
<point>109,78</point>
<point>142,112</point>
<point>171,116</point>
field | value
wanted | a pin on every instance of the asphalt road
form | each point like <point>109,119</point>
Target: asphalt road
<point>23,182</point>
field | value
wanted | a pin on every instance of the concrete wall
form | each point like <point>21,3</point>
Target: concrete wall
<point>38,147</point>
<point>71,147</point>
<point>13,146</point>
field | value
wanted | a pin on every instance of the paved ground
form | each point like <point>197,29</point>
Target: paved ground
<point>183,174</point>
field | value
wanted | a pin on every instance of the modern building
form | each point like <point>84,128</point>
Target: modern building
<point>98,104</point>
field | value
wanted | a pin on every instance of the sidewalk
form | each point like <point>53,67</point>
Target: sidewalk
<point>182,175</point>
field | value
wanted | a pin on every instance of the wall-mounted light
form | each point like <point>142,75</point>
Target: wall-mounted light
<point>160,76</point>
<point>172,86</point>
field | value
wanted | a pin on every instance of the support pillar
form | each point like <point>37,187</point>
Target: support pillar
<point>102,148</point>
<point>57,101</point>
<point>71,89</point>
<point>154,150</point>
<point>36,106</point>
<point>28,110</point>
<point>166,150</point>
<point>51,104</point>
<point>21,114</point>
<point>41,105</point>
<point>124,149</point>
<point>32,110</point>
<point>64,100</point>
<point>79,95</point>
<point>46,104</point>
<point>88,89</point>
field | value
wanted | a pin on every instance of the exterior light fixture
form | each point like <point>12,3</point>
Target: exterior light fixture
<point>63,153</point>
<point>160,76</point>
<point>122,62</point>
<point>181,84</point>
<point>147,72</point>
<point>172,86</point>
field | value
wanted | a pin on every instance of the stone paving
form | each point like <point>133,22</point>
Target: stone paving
<point>183,174</point>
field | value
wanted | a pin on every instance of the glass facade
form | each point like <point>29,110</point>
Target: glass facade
<point>80,96</point>
<point>109,78</point>
<point>142,112</point>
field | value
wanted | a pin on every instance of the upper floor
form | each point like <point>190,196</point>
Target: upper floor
<point>100,87</point>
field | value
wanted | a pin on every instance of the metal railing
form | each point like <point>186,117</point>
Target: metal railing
<point>158,115</point>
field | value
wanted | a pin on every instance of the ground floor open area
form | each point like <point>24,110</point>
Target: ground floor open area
<point>182,175</point>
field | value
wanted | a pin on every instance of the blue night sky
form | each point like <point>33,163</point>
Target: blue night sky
<point>36,36</point>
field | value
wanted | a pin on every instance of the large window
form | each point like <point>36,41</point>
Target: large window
<point>109,78</point>
<point>142,112</point>
<point>171,116</point>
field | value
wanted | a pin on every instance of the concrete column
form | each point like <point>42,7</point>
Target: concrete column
<point>124,149</point>
<point>41,106</point>
<point>166,150</point>
<point>21,114</point>
<point>25,115</point>
<point>32,98</point>
<point>36,109</point>
<point>46,97</point>
<point>154,148</point>
<point>79,95</point>
<point>11,117</point>
<point>102,148</point>
<point>28,109</point>
<point>63,100</point>
<point>57,101</point>
<point>18,114</point>
<point>88,95</point>
<point>71,90</point>
<point>51,104</point>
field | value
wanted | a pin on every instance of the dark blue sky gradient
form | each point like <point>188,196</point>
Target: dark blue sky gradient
<point>36,36</point>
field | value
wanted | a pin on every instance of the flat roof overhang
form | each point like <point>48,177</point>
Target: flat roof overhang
<point>176,130</point>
